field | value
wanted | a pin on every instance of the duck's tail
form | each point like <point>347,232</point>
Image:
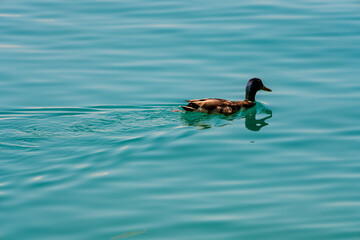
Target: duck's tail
<point>188,109</point>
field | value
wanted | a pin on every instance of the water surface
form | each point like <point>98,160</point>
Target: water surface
<point>91,147</point>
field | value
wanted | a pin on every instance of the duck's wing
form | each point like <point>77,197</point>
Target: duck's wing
<point>206,105</point>
<point>217,101</point>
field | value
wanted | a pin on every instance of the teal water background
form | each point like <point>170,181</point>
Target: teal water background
<point>90,147</point>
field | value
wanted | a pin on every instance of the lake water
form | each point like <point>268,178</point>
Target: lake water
<point>91,147</point>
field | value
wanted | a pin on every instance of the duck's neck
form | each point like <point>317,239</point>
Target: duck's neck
<point>250,95</point>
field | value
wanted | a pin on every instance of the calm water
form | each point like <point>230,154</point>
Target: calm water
<point>91,147</point>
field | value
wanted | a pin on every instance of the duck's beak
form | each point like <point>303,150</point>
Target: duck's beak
<point>266,89</point>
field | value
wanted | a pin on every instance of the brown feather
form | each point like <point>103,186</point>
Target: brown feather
<point>216,105</point>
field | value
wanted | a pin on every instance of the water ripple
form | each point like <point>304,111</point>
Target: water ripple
<point>90,147</point>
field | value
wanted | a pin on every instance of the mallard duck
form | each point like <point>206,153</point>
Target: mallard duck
<point>227,107</point>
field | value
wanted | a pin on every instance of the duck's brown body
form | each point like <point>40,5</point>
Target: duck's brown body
<point>222,106</point>
<point>217,105</point>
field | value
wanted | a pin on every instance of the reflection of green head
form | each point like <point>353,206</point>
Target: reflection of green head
<point>254,124</point>
<point>254,85</point>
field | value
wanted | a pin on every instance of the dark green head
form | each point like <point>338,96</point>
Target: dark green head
<point>254,85</point>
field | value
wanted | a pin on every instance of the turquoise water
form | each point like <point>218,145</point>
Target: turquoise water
<point>91,147</point>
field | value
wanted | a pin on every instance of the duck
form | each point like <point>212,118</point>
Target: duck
<point>227,107</point>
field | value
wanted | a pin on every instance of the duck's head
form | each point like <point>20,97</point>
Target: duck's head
<point>254,85</point>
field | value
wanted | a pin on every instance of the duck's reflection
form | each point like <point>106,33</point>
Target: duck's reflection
<point>254,124</point>
<point>205,121</point>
